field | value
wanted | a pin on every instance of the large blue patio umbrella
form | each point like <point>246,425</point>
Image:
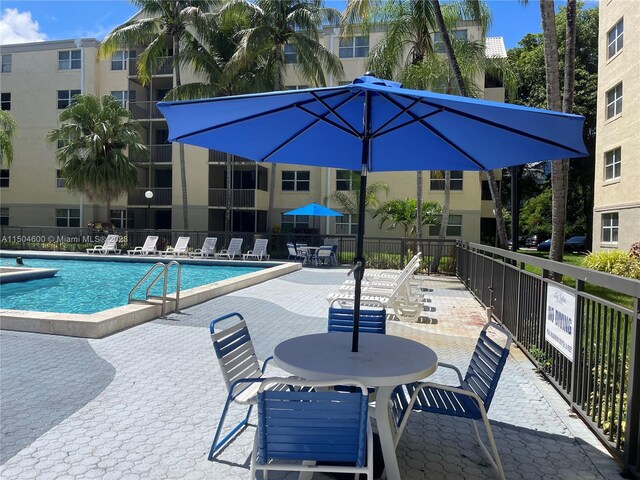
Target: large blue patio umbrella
<point>374,125</point>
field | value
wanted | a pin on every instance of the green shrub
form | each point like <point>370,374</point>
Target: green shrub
<point>616,262</point>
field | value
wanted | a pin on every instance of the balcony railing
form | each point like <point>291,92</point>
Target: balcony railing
<point>221,157</point>
<point>161,196</point>
<point>144,110</point>
<point>241,198</point>
<point>157,154</point>
<point>164,68</point>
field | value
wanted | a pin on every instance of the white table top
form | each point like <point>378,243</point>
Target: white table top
<point>381,360</point>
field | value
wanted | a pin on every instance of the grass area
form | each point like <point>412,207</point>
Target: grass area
<point>576,259</point>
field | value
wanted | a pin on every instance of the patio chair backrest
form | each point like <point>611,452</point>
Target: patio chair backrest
<point>150,243</point>
<point>235,352</point>
<point>325,426</point>
<point>235,246</point>
<point>487,362</point>
<point>291,249</point>
<point>371,320</point>
<point>260,247</point>
<point>324,252</point>
<point>181,244</point>
<point>209,245</point>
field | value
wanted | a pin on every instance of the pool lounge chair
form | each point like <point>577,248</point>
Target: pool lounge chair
<point>179,249</point>
<point>235,248</point>
<point>259,251</point>
<point>149,247</point>
<point>208,248</point>
<point>110,245</point>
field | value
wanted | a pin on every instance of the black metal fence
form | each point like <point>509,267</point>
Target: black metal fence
<point>379,252</point>
<point>602,381</point>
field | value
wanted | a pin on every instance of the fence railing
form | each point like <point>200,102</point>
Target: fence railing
<point>244,198</point>
<point>157,154</point>
<point>145,110</point>
<point>602,380</point>
<point>379,252</point>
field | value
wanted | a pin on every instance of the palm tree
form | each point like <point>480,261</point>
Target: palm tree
<point>8,128</point>
<point>274,25</point>
<point>403,213</point>
<point>165,26</point>
<point>94,134</point>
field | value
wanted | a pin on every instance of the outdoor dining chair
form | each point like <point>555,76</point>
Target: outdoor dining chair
<point>372,320</point>
<point>293,253</point>
<point>312,424</point>
<point>323,254</point>
<point>471,399</point>
<point>240,370</point>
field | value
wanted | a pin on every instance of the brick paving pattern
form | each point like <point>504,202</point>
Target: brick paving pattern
<point>144,403</point>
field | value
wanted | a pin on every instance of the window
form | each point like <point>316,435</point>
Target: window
<point>119,218</point>
<point>6,64</point>
<point>354,47</point>
<point>65,97</point>
<point>614,101</point>
<point>61,181</point>
<point>4,216</point>
<point>4,177</point>
<point>124,96</point>
<point>295,181</point>
<point>454,227</point>
<point>614,38</point>
<point>347,224</point>
<point>455,35</point>
<point>612,162</point>
<point>67,217</point>
<point>610,227</point>
<point>344,180</point>
<point>120,59</point>
<point>5,101</point>
<point>69,60</point>
<point>290,54</point>
<point>291,222</point>
<point>437,180</point>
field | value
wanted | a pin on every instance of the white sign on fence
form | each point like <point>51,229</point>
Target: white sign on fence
<point>560,324</point>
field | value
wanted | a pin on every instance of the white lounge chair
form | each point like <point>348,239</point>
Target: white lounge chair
<point>149,247</point>
<point>179,249</point>
<point>208,248</point>
<point>259,251</point>
<point>235,248</point>
<point>110,245</point>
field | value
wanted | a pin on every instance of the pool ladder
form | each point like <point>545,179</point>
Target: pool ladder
<point>164,274</point>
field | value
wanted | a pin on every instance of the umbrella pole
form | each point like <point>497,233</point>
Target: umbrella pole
<point>358,261</point>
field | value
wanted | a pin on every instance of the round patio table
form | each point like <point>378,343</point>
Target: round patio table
<point>382,361</point>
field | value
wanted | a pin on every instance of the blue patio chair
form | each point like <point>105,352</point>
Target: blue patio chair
<point>312,426</point>
<point>294,253</point>
<point>372,320</point>
<point>471,399</point>
<point>240,370</point>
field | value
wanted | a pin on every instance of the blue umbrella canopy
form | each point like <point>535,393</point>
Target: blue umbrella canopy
<point>314,210</point>
<point>375,125</point>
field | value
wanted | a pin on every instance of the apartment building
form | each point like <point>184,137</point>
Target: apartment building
<point>616,204</point>
<point>39,79</point>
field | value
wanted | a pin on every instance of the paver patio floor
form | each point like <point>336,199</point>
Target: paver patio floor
<point>144,403</point>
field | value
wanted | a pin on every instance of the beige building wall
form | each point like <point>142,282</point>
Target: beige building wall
<point>35,79</point>
<point>618,193</point>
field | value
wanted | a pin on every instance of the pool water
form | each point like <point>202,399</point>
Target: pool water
<point>84,286</point>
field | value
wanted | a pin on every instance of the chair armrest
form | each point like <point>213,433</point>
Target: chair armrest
<point>452,367</point>
<point>233,386</point>
<point>449,388</point>
<point>264,364</point>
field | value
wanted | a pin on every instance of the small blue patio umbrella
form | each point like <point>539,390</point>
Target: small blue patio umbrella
<point>314,210</point>
<point>375,125</point>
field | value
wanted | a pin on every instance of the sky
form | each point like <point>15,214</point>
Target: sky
<point>24,21</point>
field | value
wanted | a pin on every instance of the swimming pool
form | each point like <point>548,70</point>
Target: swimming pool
<point>85,286</point>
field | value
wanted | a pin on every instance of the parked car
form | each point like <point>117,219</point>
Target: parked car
<point>544,246</point>
<point>576,244</point>
<point>533,241</point>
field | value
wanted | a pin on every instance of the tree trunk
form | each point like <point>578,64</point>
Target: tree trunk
<point>183,169</point>
<point>229,192</point>
<point>419,208</point>
<point>446,206</point>
<point>279,65</point>
<point>497,206</point>
<point>559,169</point>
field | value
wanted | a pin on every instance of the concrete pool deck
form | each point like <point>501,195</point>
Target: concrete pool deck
<point>144,403</point>
<point>107,322</point>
